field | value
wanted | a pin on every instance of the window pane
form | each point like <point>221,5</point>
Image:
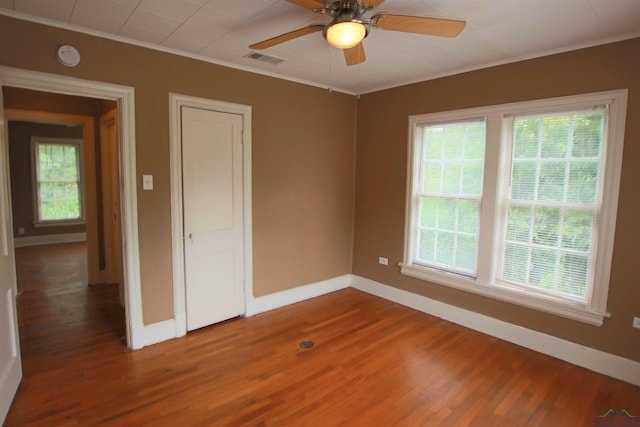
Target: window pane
<point>433,142</point>
<point>448,233</point>
<point>555,134</point>
<point>452,174</point>
<point>447,212</point>
<point>58,181</point>
<point>427,245</point>
<point>452,178</point>
<point>428,212</point>
<point>516,263</point>
<point>432,178</point>
<point>587,135</point>
<point>445,248</point>
<point>57,156</point>
<point>543,268</point>
<point>523,184</point>
<point>525,144</point>
<point>577,229</point>
<point>555,170</point>
<point>583,182</point>
<point>519,224</point>
<point>474,144</point>
<point>574,270</point>
<point>545,226</point>
<point>466,252</point>
<point>467,216</point>
<point>552,181</point>
<point>472,178</point>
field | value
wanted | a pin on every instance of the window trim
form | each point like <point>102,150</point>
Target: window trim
<point>79,144</point>
<point>595,310</point>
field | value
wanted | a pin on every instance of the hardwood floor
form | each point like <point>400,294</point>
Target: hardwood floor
<point>374,363</point>
<point>51,266</point>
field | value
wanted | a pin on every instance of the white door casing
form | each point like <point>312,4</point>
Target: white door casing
<point>10,362</point>
<point>212,204</point>
<point>224,238</point>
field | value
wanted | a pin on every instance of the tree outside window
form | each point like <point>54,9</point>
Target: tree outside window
<point>58,184</point>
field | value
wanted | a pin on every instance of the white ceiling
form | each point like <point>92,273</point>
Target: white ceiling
<point>220,31</point>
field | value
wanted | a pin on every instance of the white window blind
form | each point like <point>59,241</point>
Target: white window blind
<point>448,199</point>
<point>553,200</point>
<point>57,173</point>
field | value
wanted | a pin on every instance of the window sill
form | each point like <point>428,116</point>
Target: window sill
<point>529,299</point>
<point>61,223</point>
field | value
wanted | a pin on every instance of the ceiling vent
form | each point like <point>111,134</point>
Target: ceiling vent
<point>264,58</point>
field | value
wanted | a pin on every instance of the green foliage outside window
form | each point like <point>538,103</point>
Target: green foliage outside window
<point>58,178</point>
<point>452,172</point>
<point>553,195</point>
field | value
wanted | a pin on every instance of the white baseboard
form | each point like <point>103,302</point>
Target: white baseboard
<point>169,329</point>
<point>291,296</point>
<point>156,333</point>
<point>599,361</point>
<point>49,239</point>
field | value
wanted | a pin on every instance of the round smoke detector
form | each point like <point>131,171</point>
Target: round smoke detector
<point>68,55</point>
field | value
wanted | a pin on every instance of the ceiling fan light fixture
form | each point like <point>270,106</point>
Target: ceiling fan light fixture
<point>345,35</point>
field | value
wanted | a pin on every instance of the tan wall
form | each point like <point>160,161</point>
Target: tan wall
<point>22,207</point>
<point>381,161</point>
<point>303,154</point>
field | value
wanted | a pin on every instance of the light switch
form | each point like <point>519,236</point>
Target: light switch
<point>147,182</point>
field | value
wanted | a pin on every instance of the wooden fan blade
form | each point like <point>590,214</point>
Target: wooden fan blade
<point>286,37</point>
<point>419,25</point>
<point>313,5</point>
<point>355,55</point>
<point>370,4</point>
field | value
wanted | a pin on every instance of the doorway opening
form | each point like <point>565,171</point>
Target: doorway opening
<point>63,216</point>
<point>123,98</point>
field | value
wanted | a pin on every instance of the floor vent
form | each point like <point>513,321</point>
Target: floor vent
<point>264,58</point>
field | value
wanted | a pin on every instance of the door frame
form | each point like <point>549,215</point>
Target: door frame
<point>125,98</point>
<point>112,272</point>
<point>176,102</point>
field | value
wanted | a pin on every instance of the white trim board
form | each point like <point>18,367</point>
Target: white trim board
<point>158,332</point>
<point>599,361</point>
<point>49,239</point>
<point>291,296</point>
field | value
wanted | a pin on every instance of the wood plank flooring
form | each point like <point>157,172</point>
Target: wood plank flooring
<point>374,363</point>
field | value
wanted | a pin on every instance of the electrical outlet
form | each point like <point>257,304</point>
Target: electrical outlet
<point>636,322</point>
<point>21,230</point>
<point>383,260</point>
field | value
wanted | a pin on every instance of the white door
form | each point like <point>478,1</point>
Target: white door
<point>213,215</point>
<point>10,363</point>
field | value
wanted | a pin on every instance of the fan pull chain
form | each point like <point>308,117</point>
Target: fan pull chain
<point>358,82</point>
<point>330,88</point>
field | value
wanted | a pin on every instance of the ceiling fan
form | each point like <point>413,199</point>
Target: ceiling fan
<point>348,27</point>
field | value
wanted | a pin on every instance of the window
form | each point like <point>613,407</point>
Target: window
<point>57,167</point>
<point>518,201</point>
<point>448,195</point>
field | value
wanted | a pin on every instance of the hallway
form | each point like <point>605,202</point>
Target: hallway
<point>60,316</point>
